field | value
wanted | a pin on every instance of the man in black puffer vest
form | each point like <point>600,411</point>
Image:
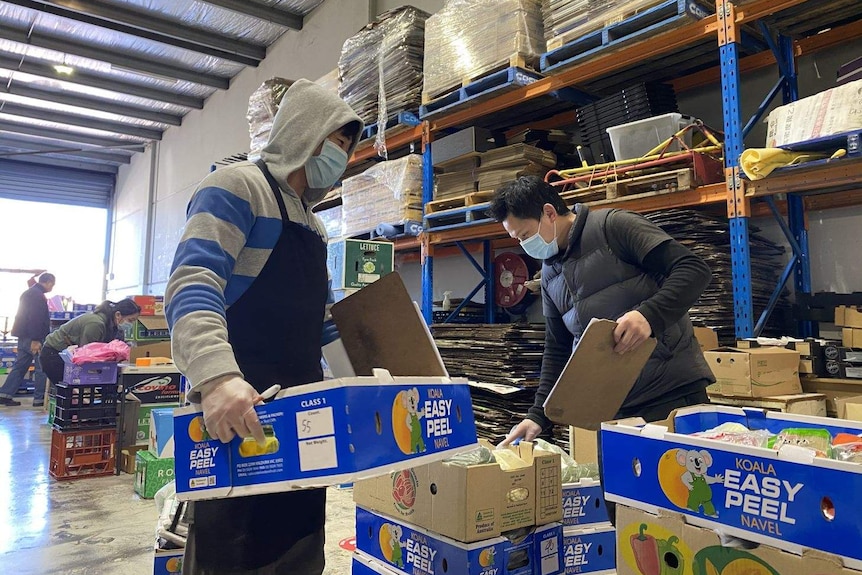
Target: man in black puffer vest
<point>609,264</point>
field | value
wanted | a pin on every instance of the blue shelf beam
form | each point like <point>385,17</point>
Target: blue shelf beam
<point>427,259</point>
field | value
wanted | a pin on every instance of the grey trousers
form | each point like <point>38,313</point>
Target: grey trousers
<point>304,558</point>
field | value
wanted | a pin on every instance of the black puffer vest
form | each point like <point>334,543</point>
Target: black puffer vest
<point>590,281</point>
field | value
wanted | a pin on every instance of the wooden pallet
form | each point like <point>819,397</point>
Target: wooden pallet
<point>801,404</point>
<point>515,61</point>
<point>661,182</point>
<point>633,8</point>
<point>463,201</point>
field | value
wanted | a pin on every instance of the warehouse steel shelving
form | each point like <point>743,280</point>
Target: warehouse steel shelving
<point>778,20</point>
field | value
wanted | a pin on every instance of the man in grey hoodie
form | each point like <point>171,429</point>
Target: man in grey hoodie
<point>246,303</point>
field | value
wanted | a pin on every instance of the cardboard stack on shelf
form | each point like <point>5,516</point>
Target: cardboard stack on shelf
<point>381,65</point>
<point>508,163</point>
<point>262,106</point>
<point>389,192</point>
<point>468,39</point>
<point>567,20</point>
<point>837,110</point>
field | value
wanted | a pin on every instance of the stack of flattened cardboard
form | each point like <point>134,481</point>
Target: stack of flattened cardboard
<point>502,362</point>
<point>505,164</point>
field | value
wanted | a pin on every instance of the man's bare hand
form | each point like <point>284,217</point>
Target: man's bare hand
<point>632,330</point>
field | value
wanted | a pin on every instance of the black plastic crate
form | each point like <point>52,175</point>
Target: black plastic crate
<point>84,395</point>
<point>69,418</point>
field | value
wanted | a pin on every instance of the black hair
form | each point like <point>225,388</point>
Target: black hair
<point>126,307</point>
<point>524,199</point>
<point>351,129</point>
<point>46,277</point>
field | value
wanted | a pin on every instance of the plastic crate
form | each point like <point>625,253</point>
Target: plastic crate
<point>72,418</point>
<point>82,453</point>
<point>635,139</point>
<point>86,395</point>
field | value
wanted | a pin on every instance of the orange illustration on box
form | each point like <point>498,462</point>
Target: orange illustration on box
<point>684,479</point>
<point>197,430</point>
<point>174,565</point>
<point>406,422</point>
<point>391,545</point>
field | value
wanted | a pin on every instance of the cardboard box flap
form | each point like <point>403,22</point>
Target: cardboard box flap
<point>596,380</point>
<point>154,322</point>
<point>380,327</point>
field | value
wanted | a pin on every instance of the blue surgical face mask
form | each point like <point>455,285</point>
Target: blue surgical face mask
<point>323,171</point>
<point>536,246</point>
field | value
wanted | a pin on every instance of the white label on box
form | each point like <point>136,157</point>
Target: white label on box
<point>317,454</point>
<point>314,423</point>
<point>854,372</point>
<point>550,556</point>
<point>367,278</point>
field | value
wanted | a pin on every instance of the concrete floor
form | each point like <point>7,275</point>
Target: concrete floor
<point>93,526</point>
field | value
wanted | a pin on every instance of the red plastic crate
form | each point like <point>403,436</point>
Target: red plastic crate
<point>82,453</point>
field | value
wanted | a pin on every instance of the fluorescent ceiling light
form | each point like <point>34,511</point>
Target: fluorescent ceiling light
<point>64,69</point>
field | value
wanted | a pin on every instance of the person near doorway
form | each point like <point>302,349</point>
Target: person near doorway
<point>32,324</point>
<point>103,324</point>
<point>245,302</point>
<point>609,264</point>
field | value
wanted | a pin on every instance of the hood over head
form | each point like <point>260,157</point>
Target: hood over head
<point>308,113</point>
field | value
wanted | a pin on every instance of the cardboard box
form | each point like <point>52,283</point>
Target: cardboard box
<point>150,328</point>
<point>159,305</point>
<point>328,433</point>
<point>127,458</point>
<point>850,371</point>
<point>802,403</point>
<point>850,408</point>
<point>167,561</point>
<point>758,372</point>
<point>136,420</point>
<point>410,549</point>
<point>159,349</point>
<point>152,384</point>
<point>147,303</point>
<point>355,264</point>
<point>91,372</point>
<point>152,473</point>
<point>584,445</point>
<point>584,503</point>
<point>706,337</point>
<point>676,546</point>
<point>788,498</point>
<point>454,148</point>
<point>589,550</point>
<point>366,565</point>
<point>834,389</point>
<point>470,503</point>
<point>851,337</point>
<point>849,317</point>
<point>161,440</point>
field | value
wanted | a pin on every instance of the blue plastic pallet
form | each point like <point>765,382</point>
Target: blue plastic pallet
<point>657,19</point>
<point>401,119</point>
<point>457,218</point>
<point>409,228</point>
<point>493,85</point>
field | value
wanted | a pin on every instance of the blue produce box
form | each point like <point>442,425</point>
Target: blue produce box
<point>367,565</point>
<point>788,498</point>
<point>167,561</point>
<point>584,503</point>
<point>590,549</point>
<point>409,549</point>
<point>328,433</point>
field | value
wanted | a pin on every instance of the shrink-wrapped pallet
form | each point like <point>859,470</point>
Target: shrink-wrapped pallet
<point>262,106</point>
<point>387,193</point>
<point>381,67</point>
<point>467,39</point>
<point>568,20</point>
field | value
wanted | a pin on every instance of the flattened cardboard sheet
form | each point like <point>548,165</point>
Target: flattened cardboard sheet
<point>380,327</point>
<point>596,380</point>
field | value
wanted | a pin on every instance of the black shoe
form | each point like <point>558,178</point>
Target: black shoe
<point>9,401</point>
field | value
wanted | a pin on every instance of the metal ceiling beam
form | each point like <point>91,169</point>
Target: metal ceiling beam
<point>65,136</point>
<point>78,165</point>
<point>82,121</point>
<point>85,78</point>
<point>150,27</point>
<point>103,54</point>
<point>45,149</point>
<point>272,15</point>
<point>93,104</point>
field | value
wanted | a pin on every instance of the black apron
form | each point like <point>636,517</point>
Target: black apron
<point>275,330</point>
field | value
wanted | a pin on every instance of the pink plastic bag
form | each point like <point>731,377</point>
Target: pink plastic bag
<point>95,352</point>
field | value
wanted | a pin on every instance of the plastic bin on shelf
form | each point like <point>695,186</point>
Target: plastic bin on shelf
<point>634,139</point>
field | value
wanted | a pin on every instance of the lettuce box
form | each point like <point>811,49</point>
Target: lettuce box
<point>409,549</point>
<point>328,433</point>
<point>152,473</point>
<point>470,503</point>
<point>590,549</point>
<point>584,503</point>
<point>161,442</point>
<point>787,498</point>
<point>665,543</point>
